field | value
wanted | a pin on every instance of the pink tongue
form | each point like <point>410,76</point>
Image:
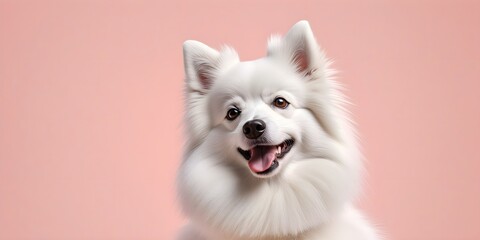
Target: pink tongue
<point>262,158</point>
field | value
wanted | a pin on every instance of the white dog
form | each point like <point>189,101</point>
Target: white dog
<point>271,152</point>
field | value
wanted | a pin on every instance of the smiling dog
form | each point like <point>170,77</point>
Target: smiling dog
<point>270,152</point>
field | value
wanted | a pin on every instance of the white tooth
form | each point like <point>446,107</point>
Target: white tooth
<point>279,149</point>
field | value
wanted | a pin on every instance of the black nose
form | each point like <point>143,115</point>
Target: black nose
<point>254,128</point>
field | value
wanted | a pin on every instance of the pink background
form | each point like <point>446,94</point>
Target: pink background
<point>91,107</point>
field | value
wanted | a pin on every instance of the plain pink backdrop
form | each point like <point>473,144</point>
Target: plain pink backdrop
<point>91,107</point>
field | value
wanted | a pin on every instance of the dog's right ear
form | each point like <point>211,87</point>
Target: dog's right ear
<point>201,65</point>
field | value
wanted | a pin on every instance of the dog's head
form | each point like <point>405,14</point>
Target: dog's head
<point>260,110</point>
<point>279,118</point>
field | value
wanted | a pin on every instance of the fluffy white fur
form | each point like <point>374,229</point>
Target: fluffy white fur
<point>308,196</point>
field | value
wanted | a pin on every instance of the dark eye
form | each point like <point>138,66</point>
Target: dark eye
<point>280,102</point>
<point>232,114</point>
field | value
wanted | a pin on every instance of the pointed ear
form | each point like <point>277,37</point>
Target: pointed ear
<point>299,48</point>
<point>201,63</point>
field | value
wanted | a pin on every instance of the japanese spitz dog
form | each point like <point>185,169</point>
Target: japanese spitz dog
<point>271,152</point>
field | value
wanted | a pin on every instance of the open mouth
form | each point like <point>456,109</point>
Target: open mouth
<point>263,159</point>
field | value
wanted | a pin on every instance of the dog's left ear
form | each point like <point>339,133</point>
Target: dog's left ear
<point>200,63</point>
<point>299,48</point>
<point>203,64</point>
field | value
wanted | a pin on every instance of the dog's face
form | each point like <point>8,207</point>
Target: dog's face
<point>274,124</point>
<point>258,109</point>
<point>253,108</point>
